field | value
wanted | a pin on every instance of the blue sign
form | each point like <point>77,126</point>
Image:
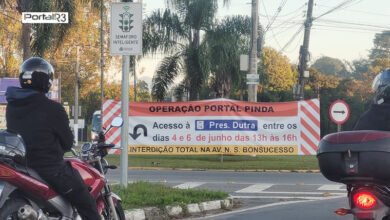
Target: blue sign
<point>4,84</point>
<point>226,125</point>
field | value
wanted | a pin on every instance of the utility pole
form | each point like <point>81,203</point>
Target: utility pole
<point>304,52</point>
<point>76,98</point>
<point>252,86</point>
<point>101,56</point>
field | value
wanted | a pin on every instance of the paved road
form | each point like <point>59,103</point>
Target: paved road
<point>178,176</point>
<point>270,195</point>
<point>299,210</point>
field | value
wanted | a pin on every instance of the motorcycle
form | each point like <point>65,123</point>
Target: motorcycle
<point>361,161</point>
<point>26,196</point>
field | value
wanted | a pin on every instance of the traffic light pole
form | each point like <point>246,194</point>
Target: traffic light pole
<point>124,159</point>
<point>101,56</point>
<point>304,52</point>
<point>252,88</point>
<point>76,98</point>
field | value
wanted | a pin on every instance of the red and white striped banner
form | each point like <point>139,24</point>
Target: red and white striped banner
<point>309,114</point>
<point>112,109</point>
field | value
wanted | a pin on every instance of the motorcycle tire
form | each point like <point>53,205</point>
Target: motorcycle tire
<point>119,212</point>
<point>9,211</point>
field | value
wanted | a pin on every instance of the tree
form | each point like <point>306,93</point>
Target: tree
<point>224,44</point>
<point>65,57</point>
<point>381,48</point>
<point>321,83</point>
<point>177,33</point>
<point>359,67</point>
<point>143,94</point>
<point>276,75</point>
<point>9,45</point>
<point>36,39</point>
<point>330,66</point>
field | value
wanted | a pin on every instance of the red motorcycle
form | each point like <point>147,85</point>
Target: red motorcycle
<point>361,160</point>
<point>25,196</point>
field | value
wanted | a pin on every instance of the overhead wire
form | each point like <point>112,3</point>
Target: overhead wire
<point>289,13</point>
<point>357,11</point>
<point>350,28</point>
<point>273,19</point>
<point>292,25</point>
<point>292,38</point>
<point>353,23</point>
<point>339,6</point>
<point>297,44</point>
<point>333,28</point>
<point>270,22</point>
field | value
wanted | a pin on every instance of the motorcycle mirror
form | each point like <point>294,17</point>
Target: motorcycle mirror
<point>117,122</point>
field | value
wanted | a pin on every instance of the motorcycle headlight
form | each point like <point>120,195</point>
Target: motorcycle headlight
<point>94,136</point>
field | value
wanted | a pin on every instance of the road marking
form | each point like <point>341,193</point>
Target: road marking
<point>256,188</point>
<point>332,187</point>
<point>293,193</point>
<point>338,195</point>
<point>261,207</point>
<point>188,185</point>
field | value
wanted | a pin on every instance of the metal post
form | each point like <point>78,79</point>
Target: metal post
<point>135,81</point>
<point>125,116</point>
<point>304,51</point>
<point>252,88</point>
<point>101,56</point>
<point>59,87</point>
<point>338,128</point>
<point>76,98</point>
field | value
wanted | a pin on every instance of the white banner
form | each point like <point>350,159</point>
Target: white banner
<point>219,127</point>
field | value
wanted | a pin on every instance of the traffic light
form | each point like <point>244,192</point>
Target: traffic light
<point>126,20</point>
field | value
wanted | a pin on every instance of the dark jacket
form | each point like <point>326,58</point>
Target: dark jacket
<point>43,125</point>
<point>377,117</point>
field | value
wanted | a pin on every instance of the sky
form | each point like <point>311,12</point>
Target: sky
<point>346,33</point>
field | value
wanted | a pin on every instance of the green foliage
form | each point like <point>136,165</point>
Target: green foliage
<point>225,43</point>
<point>145,194</point>
<point>330,66</point>
<point>163,31</point>
<point>165,75</point>
<point>9,42</point>
<point>360,67</point>
<point>177,32</point>
<point>230,162</point>
<point>276,73</point>
<point>381,46</point>
<point>197,14</point>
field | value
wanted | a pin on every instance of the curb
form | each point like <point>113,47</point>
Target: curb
<point>174,212</point>
<point>250,170</point>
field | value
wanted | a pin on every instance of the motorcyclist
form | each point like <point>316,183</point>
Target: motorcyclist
<point>44,127</point>
<point>377,117</point>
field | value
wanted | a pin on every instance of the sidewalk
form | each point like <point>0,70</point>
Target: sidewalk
<point>175,212</point>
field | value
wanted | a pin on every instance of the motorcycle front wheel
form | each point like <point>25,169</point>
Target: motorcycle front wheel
<point>119,212</point>
<point>9,211</point>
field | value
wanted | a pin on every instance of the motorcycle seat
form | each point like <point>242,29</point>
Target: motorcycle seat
<point>32,173</point>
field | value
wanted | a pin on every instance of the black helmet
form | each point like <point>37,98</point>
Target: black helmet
<point>36,73</point>
<point>381,87</point>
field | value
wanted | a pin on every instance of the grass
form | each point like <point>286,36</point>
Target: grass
<point>144,194</point>
<point>229,162</point>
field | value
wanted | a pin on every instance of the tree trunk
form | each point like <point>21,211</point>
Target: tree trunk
<point>23,6</point>
<point>25,41</point>
<point>227,84</point>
